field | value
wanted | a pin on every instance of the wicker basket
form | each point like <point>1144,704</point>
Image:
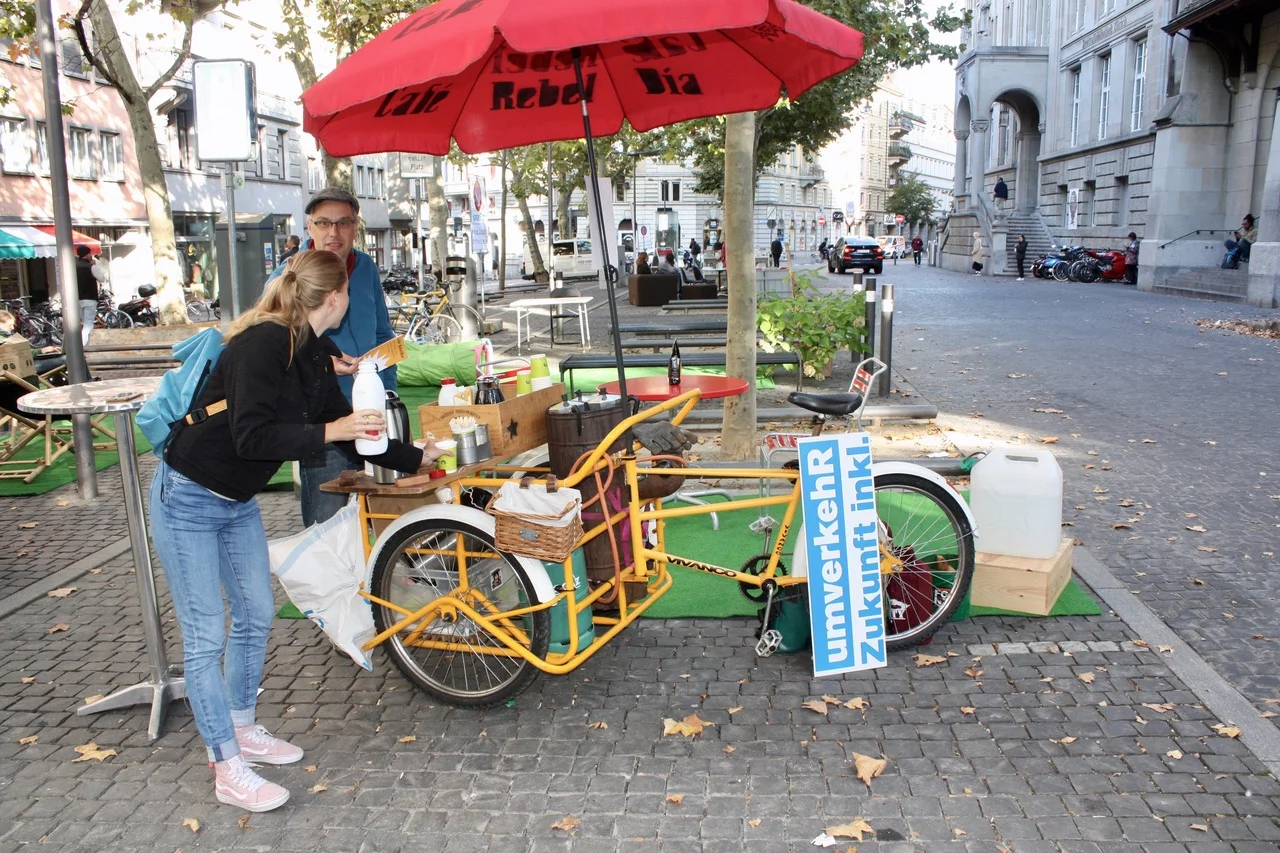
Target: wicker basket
<point>537,521</point>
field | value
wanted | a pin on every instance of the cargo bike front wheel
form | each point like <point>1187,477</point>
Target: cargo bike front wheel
<point>478,603</point>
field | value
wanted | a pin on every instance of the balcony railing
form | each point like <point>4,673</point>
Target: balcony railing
<point>899,151</point>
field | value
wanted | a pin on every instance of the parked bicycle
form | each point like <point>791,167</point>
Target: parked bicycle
<point>37,325</point>
<point>434,318</point>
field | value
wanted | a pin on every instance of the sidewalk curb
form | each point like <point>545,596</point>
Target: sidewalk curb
<point>41,588</point>
<point>1218,695</point>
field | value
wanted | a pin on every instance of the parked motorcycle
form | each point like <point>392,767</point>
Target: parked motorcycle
<point>140,309</point>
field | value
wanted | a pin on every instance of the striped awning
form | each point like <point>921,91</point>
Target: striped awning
<point>26,241</point>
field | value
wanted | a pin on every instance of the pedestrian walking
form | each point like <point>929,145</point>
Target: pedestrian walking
<point>88,276</point>
<point>1001,194</point>
<point>272,397</point>
<point>917,248</point>
<point>977,253</point>
<point>1131,259</point>
<point>1020,255</point>
<point>775,250</point>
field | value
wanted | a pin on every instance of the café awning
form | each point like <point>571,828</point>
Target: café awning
<point>27,241</point>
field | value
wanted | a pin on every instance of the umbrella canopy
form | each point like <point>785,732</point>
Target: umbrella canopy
<point>77,238</point>
<point>495,74</point>
<point>24,242</point>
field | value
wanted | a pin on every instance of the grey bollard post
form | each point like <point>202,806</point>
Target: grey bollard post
<point>857,282</point>
<point>872,318</point>
<point>885,380</point>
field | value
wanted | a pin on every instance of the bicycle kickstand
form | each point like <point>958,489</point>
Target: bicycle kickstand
<point>770,638</point>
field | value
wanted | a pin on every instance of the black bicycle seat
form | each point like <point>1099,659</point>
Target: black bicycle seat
<point>827,404</point>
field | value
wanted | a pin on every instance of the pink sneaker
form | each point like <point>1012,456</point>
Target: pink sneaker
<point>257,745</point>
<point>235,784</point>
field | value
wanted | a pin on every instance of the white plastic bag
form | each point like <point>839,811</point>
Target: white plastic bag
<point>321,570</point>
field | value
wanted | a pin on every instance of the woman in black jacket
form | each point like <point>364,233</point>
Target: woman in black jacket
<point>272,397</point>
<point>1020,254</point>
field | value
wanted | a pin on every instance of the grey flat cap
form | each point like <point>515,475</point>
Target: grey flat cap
<point>333,194</point>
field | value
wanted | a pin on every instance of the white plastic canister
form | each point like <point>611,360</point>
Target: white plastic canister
<point>1016,497</point>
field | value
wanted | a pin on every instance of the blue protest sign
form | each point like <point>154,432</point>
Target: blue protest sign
<point>837,496</point>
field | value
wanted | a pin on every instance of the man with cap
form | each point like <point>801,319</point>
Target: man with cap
<point>332,224</point>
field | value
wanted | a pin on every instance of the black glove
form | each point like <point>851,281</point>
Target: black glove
<point>661,438</point>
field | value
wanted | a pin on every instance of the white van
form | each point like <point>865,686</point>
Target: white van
<point>894,245</point>
<point>569,259</point>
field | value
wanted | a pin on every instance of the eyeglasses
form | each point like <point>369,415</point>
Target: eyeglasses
<point>325,224</point>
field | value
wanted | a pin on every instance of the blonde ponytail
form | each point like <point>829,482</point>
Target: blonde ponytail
<point>308,278</point>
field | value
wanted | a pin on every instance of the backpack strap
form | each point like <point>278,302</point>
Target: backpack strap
<point>196,416</point>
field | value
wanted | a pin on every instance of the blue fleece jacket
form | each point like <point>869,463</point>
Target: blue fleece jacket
<point>367,323</point>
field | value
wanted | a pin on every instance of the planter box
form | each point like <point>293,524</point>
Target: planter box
<point>1021,584</point>
<point>515,425</point>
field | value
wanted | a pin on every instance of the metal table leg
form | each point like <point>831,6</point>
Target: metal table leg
<point>165,682</point>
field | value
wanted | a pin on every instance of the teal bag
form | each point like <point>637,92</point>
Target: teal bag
<point>165,410</point>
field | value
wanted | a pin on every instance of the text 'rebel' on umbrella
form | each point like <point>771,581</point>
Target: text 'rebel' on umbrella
<point>495,74</point>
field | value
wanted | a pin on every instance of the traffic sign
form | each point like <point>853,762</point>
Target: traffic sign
<point>899,219</point>
<point>822,220</point>
<point>837,216</point>
<point>850,208</point>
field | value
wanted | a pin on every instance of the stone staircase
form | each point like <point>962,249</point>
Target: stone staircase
<point>1039,240</point>
<point>1211,283</point>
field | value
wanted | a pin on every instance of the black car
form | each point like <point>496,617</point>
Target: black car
<point>850,252</point>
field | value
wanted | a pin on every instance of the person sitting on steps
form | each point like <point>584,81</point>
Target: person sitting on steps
<point>1238,249</point>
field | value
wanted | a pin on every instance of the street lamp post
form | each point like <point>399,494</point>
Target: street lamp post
<point>635,227</point>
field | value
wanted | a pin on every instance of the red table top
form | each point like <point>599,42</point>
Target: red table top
<point>655,388</point>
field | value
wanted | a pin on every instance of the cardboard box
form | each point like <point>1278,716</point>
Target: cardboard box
<point>15,356</point>
<point>515,425</point>
<point>1021,584</point>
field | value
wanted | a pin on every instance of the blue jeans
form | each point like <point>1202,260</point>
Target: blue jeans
<point>209,546</point>
<point>318,506</point>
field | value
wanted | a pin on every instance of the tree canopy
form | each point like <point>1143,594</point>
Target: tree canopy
<point>912,198</point>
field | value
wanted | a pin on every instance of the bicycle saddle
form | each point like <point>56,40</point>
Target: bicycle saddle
<point>839,404</point>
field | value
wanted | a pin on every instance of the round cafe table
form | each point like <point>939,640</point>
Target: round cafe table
<point>655,389</point>
<point>123,397</point>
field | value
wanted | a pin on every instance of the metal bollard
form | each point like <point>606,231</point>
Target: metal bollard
<point>871,315</point>
<point>885,380</point>
<point>857,282</point>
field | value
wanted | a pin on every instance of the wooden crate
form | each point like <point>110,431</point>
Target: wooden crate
<point>515,425</point>
<point>16,357</point>
<point>1022,584</point>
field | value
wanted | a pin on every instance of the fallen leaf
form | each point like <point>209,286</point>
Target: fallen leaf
<point>1149,441</point>
<point>1168,650</point>
<point>1142,644</point>
<point>815,705</point>
<point>1086,677</point>
<point>318,788</point>
<point>1226,731</point>
<point>729,750</point>
<point>22,553</point>
<point>857,704</point>
<point>854,829</point>
<point>957,832</point>
<point>61,626</point>
<point>1206,548</point>
<point>1197,528</point>
<point>191,823</point>
<point>63,592</point>
<point>675,799</point>
<point>29,679</point>
<point>1175,754</point>
<point>1048,411</point>
<point>1067,739</point>
<point>1162,708</point>
<point>30,739</point>
<point>1197,581</point>
<point>568,824</point>
<point>1120,525</point>
<point>974,671</point>
<point>408,739</point>
<point>754,822</point>
<point>735,709</point>
<point>1126,502</point>
<point>27,525</point>
<point>243,821</point>
<point>91,752</point>
<point>1200,826</point>
<point>310,768</point>
<point>867,768</point>
<point>600,725</point>
<point>927,660</point>
<point>89,700</point>
<point>1049,439</point>
<point>968,710</point>
<point>1098,490</point>
<point>688,727</point>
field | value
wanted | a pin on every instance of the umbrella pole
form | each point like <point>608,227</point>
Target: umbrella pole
<point>610,272</point>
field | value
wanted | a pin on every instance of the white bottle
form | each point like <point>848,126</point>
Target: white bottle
<point>369,393</point>
<point>448,391</point>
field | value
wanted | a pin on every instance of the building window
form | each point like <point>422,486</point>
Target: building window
<point>1104,95</point>
<point>260,166</point>
<point>315,174</point>
<point>1138,104</point>
<point>179,152</point>
<point>670,190</point>
<point>1075,107</point>
<point>72,58</point>
<point>82,162</point>
<point>282,140</point>
<point>380,183</point>
<point>620,191</point>
<point>1106,7</point>
<point>15,145</point>
<point>112,156</point>
<point>1077,14</point>
<point>42,148</point>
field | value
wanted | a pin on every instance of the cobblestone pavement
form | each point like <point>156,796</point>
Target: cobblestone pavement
<point>1002,746</point>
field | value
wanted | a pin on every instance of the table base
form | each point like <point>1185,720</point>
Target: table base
<point>169,688</point>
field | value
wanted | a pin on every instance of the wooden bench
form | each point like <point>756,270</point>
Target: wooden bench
<point>676,328</point>
<point>696,305</point>
<point>587,361</point>
<point>138,350</point>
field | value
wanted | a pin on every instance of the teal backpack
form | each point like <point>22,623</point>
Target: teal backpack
<point>170,406</point>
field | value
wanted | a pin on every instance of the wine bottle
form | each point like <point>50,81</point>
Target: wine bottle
<point>673,364</point>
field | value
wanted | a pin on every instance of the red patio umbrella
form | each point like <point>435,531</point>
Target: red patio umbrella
<point>496,74</point>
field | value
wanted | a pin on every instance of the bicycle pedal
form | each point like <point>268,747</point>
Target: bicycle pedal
<point>769,642</point>
<point>762,526</point>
